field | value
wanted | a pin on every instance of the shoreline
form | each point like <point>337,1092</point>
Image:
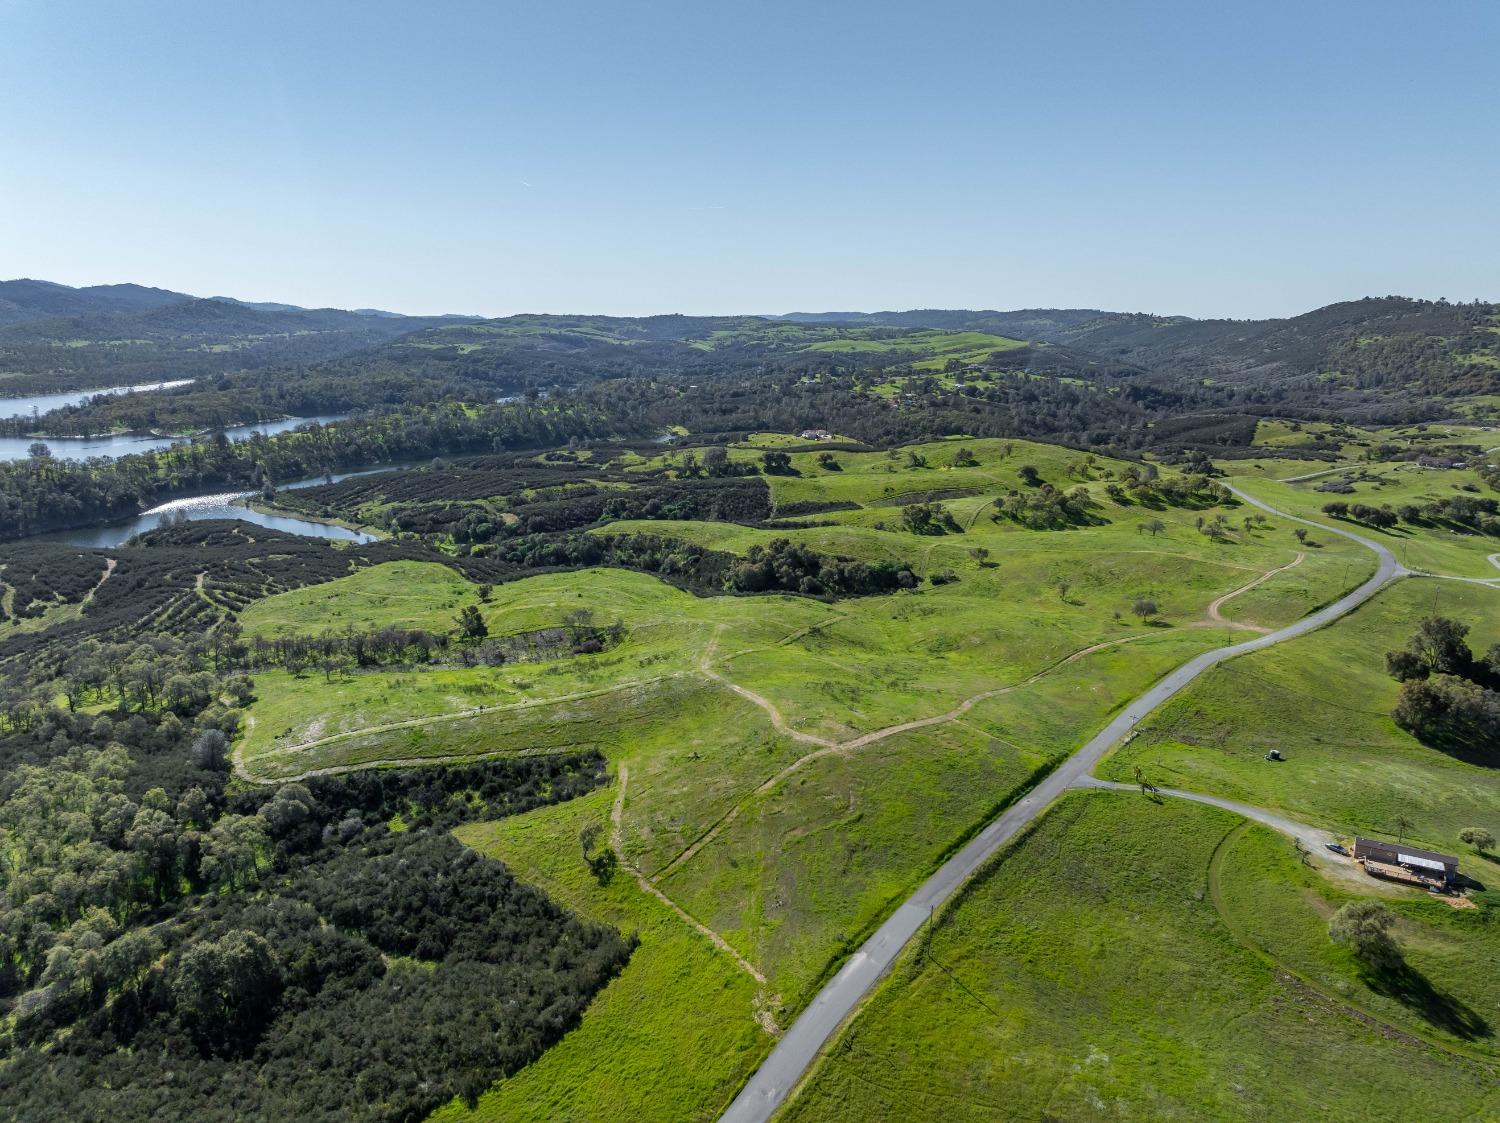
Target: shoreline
<point>159,435</point>
<point>254,503</point>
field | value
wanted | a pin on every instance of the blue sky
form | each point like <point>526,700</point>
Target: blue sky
<point>1207,159</point>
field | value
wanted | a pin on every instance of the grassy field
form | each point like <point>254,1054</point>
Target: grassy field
<point>670,1039</point>
<point>1087,973</point>
<point>1273,902</point>
<point>413,594</point>
<point>1352,442</point>
<point>1439,549</point>
<point>931,349</point>
<point>795,766</point>
<point>1324,700</point>
<point>813,861</point>
<point>303,722</point>
<point>1026,600</point>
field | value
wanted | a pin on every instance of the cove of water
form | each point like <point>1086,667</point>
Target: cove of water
<point>81,448</point>
<point>46,403</point>
<point>223,505</point>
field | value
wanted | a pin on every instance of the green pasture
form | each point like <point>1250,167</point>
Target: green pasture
<point>811,863</point>
<point>1324,700</point>
<point>1276,903</point>
<point>931,348</point>
<point>670,1038</point>
<point>1437,548</point>
<point>752,811</point>
<point>403,593</point>
<point>1088,973</point>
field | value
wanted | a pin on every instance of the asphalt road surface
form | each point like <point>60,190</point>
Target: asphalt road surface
<point>794,1053</point>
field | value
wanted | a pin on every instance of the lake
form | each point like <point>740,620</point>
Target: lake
<point>46,403</point>
<point>222,505</point>
<point>120,444</point>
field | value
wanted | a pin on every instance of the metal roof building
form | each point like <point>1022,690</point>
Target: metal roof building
<point>1421,865</point>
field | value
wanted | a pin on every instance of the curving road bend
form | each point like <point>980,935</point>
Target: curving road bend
<point>1314,840</point>
<point>769,1087</point>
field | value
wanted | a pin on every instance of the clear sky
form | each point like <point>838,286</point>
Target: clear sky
<point>632,156</point>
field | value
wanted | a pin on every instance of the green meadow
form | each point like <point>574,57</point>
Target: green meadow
<point>786,768</point>
<point>671,1038</point>
<point>1105,966</point>
<point>932,349</point>
<point>1444,549</point>
<point>1324,700</point>
<point>413,594</point>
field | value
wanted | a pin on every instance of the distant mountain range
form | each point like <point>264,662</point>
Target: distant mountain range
<point>57,337</point>
<point>1387,343</point>
<point>1373,343</point>
<point>24,300</point>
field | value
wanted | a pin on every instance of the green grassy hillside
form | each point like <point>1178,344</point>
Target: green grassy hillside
<point>787,768</point>
<point>1091,972</point>
<point>1324,700</point>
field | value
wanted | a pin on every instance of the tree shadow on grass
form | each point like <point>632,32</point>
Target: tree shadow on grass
<point>1411,988</point>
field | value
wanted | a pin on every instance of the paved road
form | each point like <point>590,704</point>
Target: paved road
<point>794,1053</point>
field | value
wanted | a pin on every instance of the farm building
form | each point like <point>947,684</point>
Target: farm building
<point>1399,862</point>
<point>816,435</point>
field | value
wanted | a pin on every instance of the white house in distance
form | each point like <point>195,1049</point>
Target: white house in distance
<point>816,435</point>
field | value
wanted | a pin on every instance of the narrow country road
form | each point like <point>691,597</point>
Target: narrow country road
<point>1313,839</point>
<point>769,1087</point>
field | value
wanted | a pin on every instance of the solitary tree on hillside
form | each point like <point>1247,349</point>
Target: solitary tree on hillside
<point>601,865</point>
<point>1144,608</point>
<point>1365,928</point>
<point>1439,644</point>
<point>1479,838</point>
<point>1404,826</point>
<point>1300,534</point>
<point>774,462</point>
<point>1154,526</point>
<point>471,625</point>
<point>587,837</point>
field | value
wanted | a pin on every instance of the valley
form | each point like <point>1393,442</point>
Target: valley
<point>830,719</point>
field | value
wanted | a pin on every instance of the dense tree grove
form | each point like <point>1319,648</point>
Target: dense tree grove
<point>160,936</point>
<point>1448,697</point>
<point>468,644</point>
<point>378,977</point>
<point>783,565</point>
<point>1474,514</point>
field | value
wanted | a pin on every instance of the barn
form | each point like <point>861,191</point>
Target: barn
<point>1400,862</point>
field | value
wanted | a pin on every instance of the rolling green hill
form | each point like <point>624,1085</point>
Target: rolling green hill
<point>1379,343</point>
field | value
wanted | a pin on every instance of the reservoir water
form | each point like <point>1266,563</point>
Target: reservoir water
<point>46,403</point>
<point>120,444</point>
<point>222,505</point>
